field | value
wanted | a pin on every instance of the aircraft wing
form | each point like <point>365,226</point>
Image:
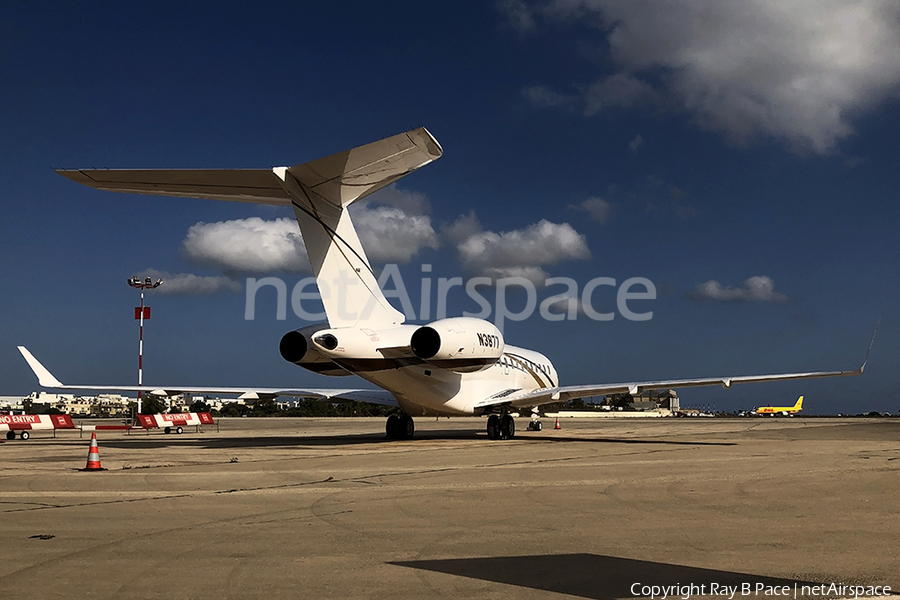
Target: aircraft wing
<point>383,397</point>
<point>341,178</point>
<point>570,392</point>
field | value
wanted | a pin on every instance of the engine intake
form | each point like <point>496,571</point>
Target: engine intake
<point>293,346</point>
<point>297,348</point>
<point>425,342</point>
<point>460,344</point>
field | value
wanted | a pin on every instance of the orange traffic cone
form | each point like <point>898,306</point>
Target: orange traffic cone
<point>556,427</point>
<point>93,461</point>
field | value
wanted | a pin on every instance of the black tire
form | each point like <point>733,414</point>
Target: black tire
<point>179,430</point>
<point>507,427</point>
<point>392,427</point>
<point>407,427</point>
<point>493,427</point>
<point>10,435</point>
<point>538,426</point>
<point>24,435</point>
<point>167,430</point>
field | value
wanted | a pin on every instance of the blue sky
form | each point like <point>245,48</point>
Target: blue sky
<point>699,146</point>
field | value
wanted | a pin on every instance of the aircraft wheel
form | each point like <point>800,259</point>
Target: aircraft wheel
<point>507,427</point>
<point>407,427</point>
<point>10,435</point>
<point>25,435</point>
<point>179,430</point>
<point>538,426</point>
<point>493,427</point>
<point>167,430</point>
<point>392,427</point>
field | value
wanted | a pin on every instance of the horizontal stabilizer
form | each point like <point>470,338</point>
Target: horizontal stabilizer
<point>340,178</point>
<point>347,176</point>
<point>242,185</point>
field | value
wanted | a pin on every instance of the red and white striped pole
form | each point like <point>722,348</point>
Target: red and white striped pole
<point>146,284</point>
<point>141,354</point>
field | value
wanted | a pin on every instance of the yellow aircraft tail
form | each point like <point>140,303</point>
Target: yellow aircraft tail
<point>799,405</point>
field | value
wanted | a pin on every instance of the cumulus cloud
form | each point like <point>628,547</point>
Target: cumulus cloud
<point>190,284</point>
<point>518,253</point>
<point>755,289</point>
<point>599,209</point>
<point>795,70</point>
<point>411,203</point>
<point>251,245</point>
<point>392,226</point>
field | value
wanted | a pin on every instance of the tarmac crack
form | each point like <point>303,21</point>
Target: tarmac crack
<point>98,503</point>
<point>275,487</point>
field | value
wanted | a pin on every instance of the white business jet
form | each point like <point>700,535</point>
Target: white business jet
<point>453,366</point>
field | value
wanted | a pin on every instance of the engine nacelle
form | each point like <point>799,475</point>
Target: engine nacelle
<point>460,344</point>
<point>297,347</point>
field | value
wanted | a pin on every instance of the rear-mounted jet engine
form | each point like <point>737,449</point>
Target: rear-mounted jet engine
<point>297,347</point>
<point>460,344</point>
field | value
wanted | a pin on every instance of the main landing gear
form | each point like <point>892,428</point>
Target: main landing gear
<point>400,427</point>
<point>501,427</point>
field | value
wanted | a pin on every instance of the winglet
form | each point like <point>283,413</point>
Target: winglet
<point>45,378</point>
<point>866,359</point>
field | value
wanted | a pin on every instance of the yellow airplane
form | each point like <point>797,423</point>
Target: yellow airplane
<point>783,410</point>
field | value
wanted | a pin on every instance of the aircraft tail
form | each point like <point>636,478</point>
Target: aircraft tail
<point>799,405</point>
<point>319,192</point>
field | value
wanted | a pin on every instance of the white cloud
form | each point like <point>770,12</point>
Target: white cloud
<point>636,143</point>
<point>463,228</point>
<point>621,89</point>
<point>518,13</point>
<point>755,289</point>
<point>251,245</point>
<point>564,304</point>
<point>412,203</point>
<point>518,253</point>
<point>392,226</point>
<point>396,231</point>
<point>541,95</point>
<point>795,70</point>
<point>190,284</point>
<point>599,209</point>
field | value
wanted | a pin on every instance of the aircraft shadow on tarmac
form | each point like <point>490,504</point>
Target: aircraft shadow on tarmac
<point>218,440</point>
<point>596,576</point>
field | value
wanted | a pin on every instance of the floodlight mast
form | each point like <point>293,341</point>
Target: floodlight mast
<point>146,284</point>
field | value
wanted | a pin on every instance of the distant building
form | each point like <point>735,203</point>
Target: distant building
<point>653,399</point>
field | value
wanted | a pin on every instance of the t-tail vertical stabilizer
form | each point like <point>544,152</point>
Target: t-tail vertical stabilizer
<point>321,191</point>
